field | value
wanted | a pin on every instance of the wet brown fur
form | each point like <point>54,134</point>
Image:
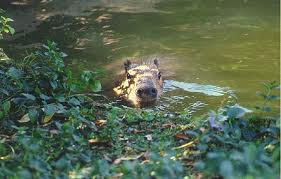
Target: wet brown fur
<point>139,75</point>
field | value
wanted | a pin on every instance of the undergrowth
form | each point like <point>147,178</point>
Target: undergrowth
<point>56,125</point>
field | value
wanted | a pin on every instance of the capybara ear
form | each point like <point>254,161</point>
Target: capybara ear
<point>127,65</point>
<point>156,62</point>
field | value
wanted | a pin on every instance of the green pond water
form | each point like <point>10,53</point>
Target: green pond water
<point>209,50</point>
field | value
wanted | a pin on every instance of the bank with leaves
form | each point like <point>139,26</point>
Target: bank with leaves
<point>55,124</point>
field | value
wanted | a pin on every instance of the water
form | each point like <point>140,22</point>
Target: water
<point>209,50</point>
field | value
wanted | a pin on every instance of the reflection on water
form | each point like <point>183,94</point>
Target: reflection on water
<point>222,43</point>
<point>208,90</point>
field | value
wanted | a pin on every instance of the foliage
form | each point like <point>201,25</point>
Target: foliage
<point>39,87</point>
<point>4,25</point>
<point>236,145</point>
<point>53,126</point>
<point>49,128</point>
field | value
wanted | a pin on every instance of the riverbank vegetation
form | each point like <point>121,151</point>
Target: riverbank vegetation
<point>54,124</point>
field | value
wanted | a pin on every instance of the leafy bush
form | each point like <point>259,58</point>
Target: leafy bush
<point>39,87</point>
<point>51,126</point>
<point>4,25</point>
<point>236,145</point>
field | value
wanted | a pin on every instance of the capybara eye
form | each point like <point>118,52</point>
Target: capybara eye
<point>159,75</point>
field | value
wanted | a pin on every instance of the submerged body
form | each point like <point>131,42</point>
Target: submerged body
<point>142,84</point>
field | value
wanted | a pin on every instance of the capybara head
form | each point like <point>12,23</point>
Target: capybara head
<point>143,84</point>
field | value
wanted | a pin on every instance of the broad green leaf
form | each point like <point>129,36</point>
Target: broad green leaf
<point>87,75</point>
<point>50,109</point>
<point>44,97</point>
<point>14,73</point>
<point>226,169</point>
<point>95,86</point>
<point>33,114</point>
<point>6,106</point>
<point>12,30</point>
<point>74,101</point>
<point>1,114</point>
<point>29,96</point>
<point>6,30</point>
<point>237,111</point>
<point>9,20</point>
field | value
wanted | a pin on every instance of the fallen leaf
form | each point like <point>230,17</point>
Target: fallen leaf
<point>136,131</point>
<point>119,160</point>
<point>48,118</point>
<point>181,137</point>
<point>93,141</point>
<point>189,144</point>
<point>168,125</point>
<point>148,137</point>
<point>24,118</point>
<point>100,122</point>
<point>54,131</point>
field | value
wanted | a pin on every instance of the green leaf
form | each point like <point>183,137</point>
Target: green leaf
<point>50,109</point>
<point>1,114</point>
<point>44,97</point>
<point>9,20</point>
<point>87,75</point>
<point>29,96</point>
<point>6,30</point>
<point>33,114</point>
<point>237,111</point>
<point>14,73</point>
<point>74,101</point>
<point>226,169</point>
<point>12,30</point>
<point>6,106</point>
<point>95,86</point>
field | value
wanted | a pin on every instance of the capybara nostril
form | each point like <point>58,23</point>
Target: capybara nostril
<point>150,91</point>
<point>139,92</point>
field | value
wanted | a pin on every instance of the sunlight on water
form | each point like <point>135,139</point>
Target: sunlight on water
<point>208,90</point>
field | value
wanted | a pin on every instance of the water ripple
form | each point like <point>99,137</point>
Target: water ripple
<point>209,90</point>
